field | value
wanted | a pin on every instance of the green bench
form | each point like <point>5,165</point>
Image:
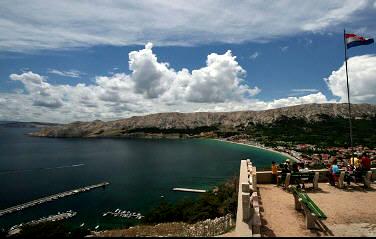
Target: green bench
<point>313,214</point>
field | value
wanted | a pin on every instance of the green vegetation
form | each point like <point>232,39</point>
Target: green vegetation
<point>211,204</point>
<point>51,229</point>
<point>324,133</point>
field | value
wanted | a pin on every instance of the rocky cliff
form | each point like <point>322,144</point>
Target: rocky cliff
<point>203,123</point>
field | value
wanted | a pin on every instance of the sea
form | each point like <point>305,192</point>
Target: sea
<point>141,172</point>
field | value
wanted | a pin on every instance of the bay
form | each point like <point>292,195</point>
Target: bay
<point>141,172</point>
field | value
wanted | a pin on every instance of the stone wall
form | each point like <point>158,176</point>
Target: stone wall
<point>210,227</point>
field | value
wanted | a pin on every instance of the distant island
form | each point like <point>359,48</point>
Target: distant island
<point>17,124</point>
<point>309,123</point>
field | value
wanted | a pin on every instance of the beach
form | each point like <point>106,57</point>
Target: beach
<point>260,147</point>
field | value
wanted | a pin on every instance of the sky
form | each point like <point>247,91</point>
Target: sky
<point>65,61</point>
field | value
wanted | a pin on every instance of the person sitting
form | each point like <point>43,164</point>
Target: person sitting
<point>333,173</point>
<point>366,162</point>
<point>349,173</point>
<point>284,171</point>
<point>303,170</point>
<point>295,180</point>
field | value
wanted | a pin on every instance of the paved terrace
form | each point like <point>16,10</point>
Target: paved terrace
<point>350,211</point>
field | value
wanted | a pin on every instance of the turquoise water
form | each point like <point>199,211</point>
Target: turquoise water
<point>140,172</point>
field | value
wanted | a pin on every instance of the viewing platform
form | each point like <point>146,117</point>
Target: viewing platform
<point>50,198</point>
<point>267,210</point>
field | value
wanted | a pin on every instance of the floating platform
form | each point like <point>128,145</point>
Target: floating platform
<point>189,190</point>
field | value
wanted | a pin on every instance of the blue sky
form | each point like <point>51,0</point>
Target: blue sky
<point>281,60</point>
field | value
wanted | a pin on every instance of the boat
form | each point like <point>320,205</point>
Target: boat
<point>82,224</point>
<point>96,227</point>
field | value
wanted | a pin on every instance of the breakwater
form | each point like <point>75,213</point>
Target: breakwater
<point>50,198</point>
<point>52,218</point>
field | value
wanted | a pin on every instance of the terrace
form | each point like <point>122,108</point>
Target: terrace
<point>348,210</point>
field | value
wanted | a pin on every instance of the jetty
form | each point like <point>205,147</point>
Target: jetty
<point>51,198</point>
<point>189,190</point>
<point>52,218</point>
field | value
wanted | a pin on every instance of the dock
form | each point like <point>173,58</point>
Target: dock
<point>50,198</point>
<point>52,218</point>
<point>189,190</point>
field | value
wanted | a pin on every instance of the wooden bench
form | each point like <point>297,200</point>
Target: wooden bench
<point>310,176</point>
<point>313,214</point>
<point>345,176</point>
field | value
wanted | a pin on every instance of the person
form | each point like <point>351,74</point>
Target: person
<point>274,173</point>
<point>334,170</point>
<point>303,169</point>
<point>295,169</point>
<point>288,164</point>
<point>366,162</point>
<point>284,171</point>
<point>350,173</point>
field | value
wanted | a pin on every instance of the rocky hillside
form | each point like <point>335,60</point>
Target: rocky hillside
<point>203,123</point>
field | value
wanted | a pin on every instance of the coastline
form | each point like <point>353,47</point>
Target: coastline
<point>260,147</point>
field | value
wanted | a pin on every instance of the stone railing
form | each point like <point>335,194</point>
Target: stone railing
<point>265,177</point>
<point>248,220</point>
<point>210,227</point>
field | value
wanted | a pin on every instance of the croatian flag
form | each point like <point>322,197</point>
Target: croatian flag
<point>355,40</point>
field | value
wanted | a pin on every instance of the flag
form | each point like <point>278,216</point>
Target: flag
<point>355,40</point>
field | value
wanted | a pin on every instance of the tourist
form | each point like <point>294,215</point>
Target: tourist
<point>303,170</point>
<point>288,164</point>
<point>274,173</point>
<point>350,173</point>
<point>285,170</point>
<point>334,169</point>
<point>295,180</point>
<point>366,162</point>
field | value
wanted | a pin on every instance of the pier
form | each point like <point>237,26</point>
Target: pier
<point>189,190</point>
<point>50,198</point>
<point>52,218</point>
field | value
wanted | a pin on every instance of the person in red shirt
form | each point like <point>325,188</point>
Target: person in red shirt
<point>366,162</point>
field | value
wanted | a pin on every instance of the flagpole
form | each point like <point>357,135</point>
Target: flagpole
<point>348,97</point>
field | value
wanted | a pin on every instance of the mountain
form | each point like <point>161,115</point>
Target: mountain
<point>211,124</point>
<point>16,124</point>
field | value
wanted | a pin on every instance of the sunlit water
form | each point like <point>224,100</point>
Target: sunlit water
<point>141,173</point>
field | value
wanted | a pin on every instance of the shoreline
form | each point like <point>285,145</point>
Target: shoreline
<point>260,147</point>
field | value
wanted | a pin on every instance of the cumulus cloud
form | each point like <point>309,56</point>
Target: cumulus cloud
<point>42,24</point>
<point>151,87</point>
<point>362,80</point>
<point>222,79</point>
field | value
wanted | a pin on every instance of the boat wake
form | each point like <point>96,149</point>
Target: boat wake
<point>38,169</point>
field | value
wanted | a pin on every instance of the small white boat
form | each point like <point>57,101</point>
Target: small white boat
<point>82,224</point>
<point>96,227</point>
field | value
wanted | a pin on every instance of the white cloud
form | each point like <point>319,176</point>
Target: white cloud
<point>254,55</point>
<point>298,92</point>
<point>304,90</point>
<point>218,86</point>
<point>362,80</point>
<point>42,24</point>
<point>70,73</point>
<point>284,48</point>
